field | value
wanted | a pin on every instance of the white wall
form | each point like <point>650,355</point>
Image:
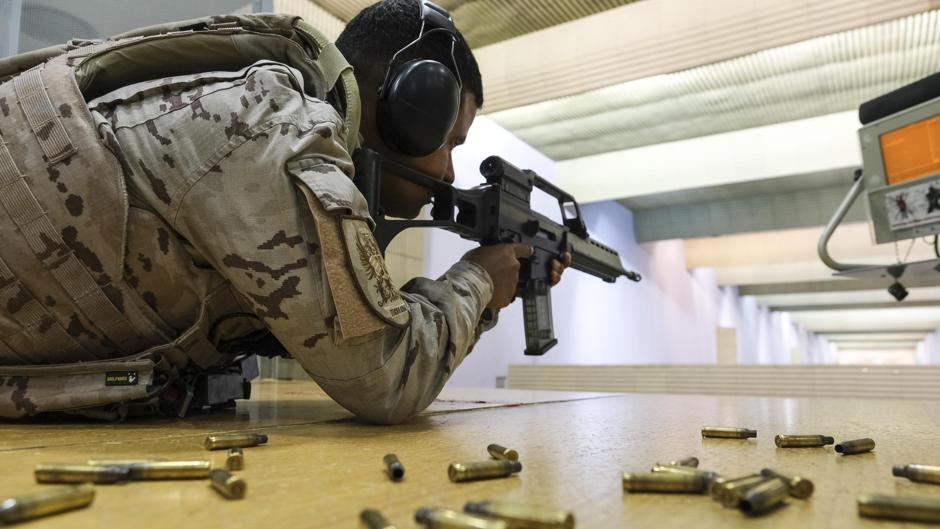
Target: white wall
<point>670,317</point>
<point>928,351</point>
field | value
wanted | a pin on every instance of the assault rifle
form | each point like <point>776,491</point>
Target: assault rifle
<point>495,212</point>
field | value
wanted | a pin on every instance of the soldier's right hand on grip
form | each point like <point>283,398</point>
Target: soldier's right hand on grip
<point>501,262</point>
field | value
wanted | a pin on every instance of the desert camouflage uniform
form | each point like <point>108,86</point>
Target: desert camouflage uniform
<point>240,202</point>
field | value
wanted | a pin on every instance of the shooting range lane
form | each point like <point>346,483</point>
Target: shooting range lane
<point>320,467</point>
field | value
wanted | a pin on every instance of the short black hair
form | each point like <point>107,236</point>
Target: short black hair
<point>374,35</point>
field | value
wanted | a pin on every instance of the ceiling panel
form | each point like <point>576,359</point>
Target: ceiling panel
<point>485,22</point>
<point>819,76</point>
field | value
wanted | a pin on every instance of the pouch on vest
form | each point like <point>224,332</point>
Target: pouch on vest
<point>29,390</point>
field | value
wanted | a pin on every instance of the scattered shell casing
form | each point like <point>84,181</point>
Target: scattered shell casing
<point>708,475</point>
<point>46,502</point>
<point>918,473</point>
<point>196,469</point>
<point>235,460</point>
<point>714,486</point>
<point>228,484</point>
<point>802,441</point>
<point>687,462</point>
<point>764,497</point>
<point>448,519</point>
<point>235,440</point>
<point>719,432</point>
<point>396,471</point>
<point>730,494</point>
<point>798,487</point>
<point>664,482</point>
<point>61,473</point>
<point>522,516</point>
<point>855,446</point>
<point>494,468</point>
<point>374,520</point>
<point>501,452</point>
<point>907,508</point>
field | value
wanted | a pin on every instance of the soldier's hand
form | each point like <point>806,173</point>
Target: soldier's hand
<point>501,262</point>
<point>558,267</point>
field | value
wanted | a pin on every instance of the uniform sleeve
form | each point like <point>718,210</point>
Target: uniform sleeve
<point>278,215</point>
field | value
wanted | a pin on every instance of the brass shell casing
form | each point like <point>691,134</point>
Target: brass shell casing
<point>521,516</point>
<point>918,473</point>
<point>803,441</point>
<point>501,452</point>
<point>396,471</point>
<point>374,520</point>
<point>715,486</point>
<point>798,487</point>
<point>708,475</point>
<point>908,508</point>
<point>46,502</point>
<point>687,462</point>
<point>235,460</point>
<point>730,494</point>
<point>56,473</point>
<point>228,484</point>
<point>764,497</point>
<point>664,482</point>
<point>121,462</point>
<point>494,468</point>
<point>235,440</point>
<point>855,446</point>
<point>197,469</point>
<point>448,519</point>
<point>719,432</point>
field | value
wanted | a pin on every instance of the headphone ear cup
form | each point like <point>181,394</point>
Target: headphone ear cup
<point>418,107</point>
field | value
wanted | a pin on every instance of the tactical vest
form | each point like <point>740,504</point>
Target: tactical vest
<point>79,338</point>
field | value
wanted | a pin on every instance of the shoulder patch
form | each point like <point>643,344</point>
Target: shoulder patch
<point>372,276</point>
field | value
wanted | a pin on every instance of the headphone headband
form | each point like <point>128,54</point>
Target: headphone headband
<point>434,19</point>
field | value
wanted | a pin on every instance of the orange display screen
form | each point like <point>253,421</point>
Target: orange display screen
<point>912,151</point>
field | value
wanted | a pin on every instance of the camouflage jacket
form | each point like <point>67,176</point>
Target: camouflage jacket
<point>238,182</point>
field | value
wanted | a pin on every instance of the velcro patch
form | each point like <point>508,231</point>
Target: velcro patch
<point>371,274</point>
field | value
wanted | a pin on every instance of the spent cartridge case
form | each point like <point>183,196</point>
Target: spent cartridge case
<point>730,494</point>
<point>714,486</point>
<point>764,497</point>
<point>448,519</point>
<point>919,473</point>
<point>235,440</point>
<point>501,452</point>
<point>235,460</point>
<point>227,484</point>
<point>798,487</point>
<point>802,441</point>
<point>728,433</point>
<point>374,520</point>
<point>393,466</point>
<point>56,473</point>
<point>907,508</point>
<point>687,462</point>
<point>521,516</point>
<point>121,462</point>
<point>46,502</point>
<point>708,475</point>
<point>664,482</point>
<point>494,468</point>
<point>198,469</point>
<point>855,446</point>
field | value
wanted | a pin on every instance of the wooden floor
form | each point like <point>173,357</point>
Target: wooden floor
<point>321,466</point>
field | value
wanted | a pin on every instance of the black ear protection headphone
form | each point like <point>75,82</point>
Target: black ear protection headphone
<point>419,100</point>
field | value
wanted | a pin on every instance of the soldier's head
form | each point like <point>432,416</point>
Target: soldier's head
<point>369,42</point>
